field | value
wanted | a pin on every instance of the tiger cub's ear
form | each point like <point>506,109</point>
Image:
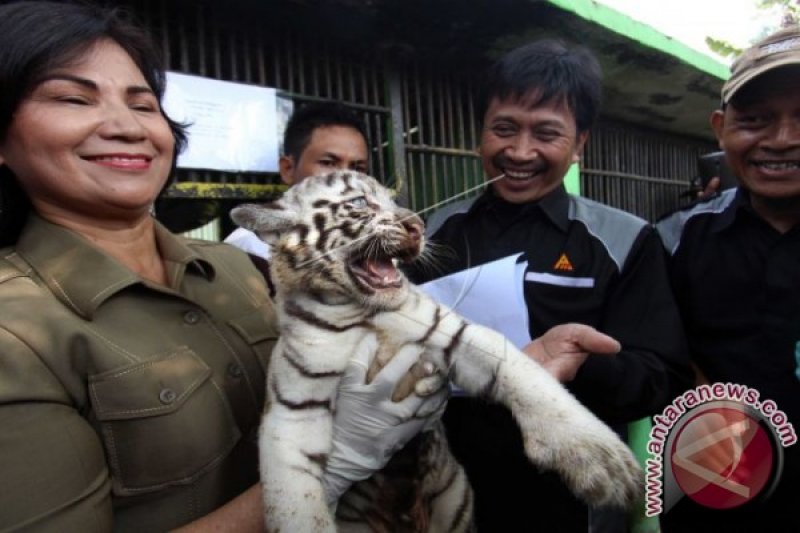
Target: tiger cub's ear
<point>268,221</point>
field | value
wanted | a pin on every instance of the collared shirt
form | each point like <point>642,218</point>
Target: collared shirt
<point>737,283</point>
<point>587,263</point>
<point>123,401</point>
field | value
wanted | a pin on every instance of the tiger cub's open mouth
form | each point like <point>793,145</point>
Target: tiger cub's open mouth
<point>378,270</point>
<point>378,273</point>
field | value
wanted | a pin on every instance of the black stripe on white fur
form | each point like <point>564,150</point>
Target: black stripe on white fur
<point>300,406</point>
<point>294,310</point>
<point>295,360</point>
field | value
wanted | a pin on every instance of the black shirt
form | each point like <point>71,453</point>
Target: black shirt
<point>737,283</point>
<point>587,263</point>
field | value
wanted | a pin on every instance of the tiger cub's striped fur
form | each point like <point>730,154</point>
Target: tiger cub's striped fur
<point>336,241</point>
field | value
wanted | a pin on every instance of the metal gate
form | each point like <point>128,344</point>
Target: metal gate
<point>641,171</point>
<point>421,122</point>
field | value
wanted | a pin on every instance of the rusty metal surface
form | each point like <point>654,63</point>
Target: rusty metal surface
<point>233,191</point>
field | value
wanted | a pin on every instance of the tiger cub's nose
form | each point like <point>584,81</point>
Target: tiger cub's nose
<point>412,224</point>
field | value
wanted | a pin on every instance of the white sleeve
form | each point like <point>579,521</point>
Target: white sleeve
<point>249,242</point>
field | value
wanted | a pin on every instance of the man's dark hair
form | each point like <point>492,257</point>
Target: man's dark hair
<point>317,115</point>
<point>39,37</point>
<point>544,71</point>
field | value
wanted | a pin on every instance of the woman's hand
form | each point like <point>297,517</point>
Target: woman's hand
<point>369,427</point>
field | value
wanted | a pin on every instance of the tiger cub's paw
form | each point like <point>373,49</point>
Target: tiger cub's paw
<point>599,468</point>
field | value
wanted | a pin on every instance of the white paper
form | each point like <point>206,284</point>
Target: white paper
<point>490,294</point>
<point>232,126</point>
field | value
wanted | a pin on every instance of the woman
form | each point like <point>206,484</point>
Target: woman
<point>132,361</point>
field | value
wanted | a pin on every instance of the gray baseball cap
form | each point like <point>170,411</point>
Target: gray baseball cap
<point>777,50</point>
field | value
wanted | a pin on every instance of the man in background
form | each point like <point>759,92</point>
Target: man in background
<point>319,138</point>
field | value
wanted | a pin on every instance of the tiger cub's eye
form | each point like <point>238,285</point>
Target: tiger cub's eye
<point>360,202</point>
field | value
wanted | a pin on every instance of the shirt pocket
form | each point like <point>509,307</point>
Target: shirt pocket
<point>164,422</point>
<point>258,330</point>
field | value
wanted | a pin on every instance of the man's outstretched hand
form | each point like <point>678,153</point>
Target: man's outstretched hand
<point>564,348</point>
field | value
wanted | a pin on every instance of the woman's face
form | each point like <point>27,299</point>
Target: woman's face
<point>90,140</point>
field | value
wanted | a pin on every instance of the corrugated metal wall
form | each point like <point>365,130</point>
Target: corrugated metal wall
<point>441,133</point>
<point>639,170</point>
<point>421,122</point>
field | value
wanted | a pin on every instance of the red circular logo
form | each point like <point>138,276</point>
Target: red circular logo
<point>722,457</point>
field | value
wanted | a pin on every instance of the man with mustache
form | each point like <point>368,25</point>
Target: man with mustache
<point>586,263</point>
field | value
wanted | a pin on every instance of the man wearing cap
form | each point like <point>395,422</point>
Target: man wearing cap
<point>735,269</point>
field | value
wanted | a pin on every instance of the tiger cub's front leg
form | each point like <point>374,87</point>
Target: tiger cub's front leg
<point>559,433</point>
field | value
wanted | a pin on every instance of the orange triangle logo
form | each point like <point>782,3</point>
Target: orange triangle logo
<point>563,264</point>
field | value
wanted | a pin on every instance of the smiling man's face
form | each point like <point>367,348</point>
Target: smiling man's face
<point>760,133</point>
<point>533,145</point>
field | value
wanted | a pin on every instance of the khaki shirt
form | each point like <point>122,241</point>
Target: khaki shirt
<point>127,405</point>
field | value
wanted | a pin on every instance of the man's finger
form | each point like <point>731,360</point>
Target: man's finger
<point>710,189</point>
<point>592,341</point>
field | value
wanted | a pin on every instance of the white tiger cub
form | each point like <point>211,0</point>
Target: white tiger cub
<point>336,241</point>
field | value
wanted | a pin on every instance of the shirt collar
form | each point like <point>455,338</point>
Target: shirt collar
<point>554,205</point>
<point>180,258</point>
<point>739,205</point>
<point>83,277</point>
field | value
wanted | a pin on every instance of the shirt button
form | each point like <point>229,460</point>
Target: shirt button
<point>191,317</point>
<point>235,371</point>
<point>167,396</point>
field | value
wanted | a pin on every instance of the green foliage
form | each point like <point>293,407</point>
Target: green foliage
<point>722,48</point>
<point>791,15</point>
<point>788,6</point>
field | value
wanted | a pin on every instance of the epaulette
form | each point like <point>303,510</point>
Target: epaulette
<point>690,205</point>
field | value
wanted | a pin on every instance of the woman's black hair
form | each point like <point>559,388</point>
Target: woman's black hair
<point>547,70</point>
<point>38,37</point>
